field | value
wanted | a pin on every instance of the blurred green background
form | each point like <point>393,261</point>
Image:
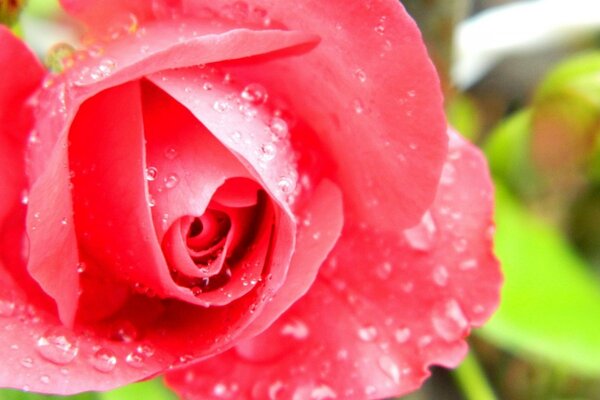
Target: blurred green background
<point>522,81</point>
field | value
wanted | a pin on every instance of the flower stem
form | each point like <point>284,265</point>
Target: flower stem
<point>472,381</point>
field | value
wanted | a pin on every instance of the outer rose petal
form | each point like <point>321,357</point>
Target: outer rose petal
<point>382,310</point>
<point>370,117</point>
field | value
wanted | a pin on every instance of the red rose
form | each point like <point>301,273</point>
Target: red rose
<point>236,184</point>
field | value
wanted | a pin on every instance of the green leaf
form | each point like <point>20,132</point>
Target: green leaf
<point>579,74</point>
<point>463,115</point>
<point>9,394</point>
<point>148,390</point>
<point>508,152</point>
<point>550,301</point>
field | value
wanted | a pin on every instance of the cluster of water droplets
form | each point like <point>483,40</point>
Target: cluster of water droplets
<point>263,131</point>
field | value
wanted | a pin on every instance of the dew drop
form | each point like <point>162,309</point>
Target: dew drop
<point>60,57</point>
<point>422,236</point>
<point>151,173</point>
<point>24,197</point>
<point>275,390</point>
<point>104,69</point>
<point>171,181</point>
<point>468,264</point>
<point>221,106</point>
<point>358,106</point>
<point>267,152</point>
<point>449,321</point>
<point>448,174</point>
<point>63,221</point>
<point>279,128</point>
<point>254,93</point>
<point>7,308</point>
<point>384,270</point>
<point>380,28</point>
<point>367,333</point>
<point>286,185</point>
<point>58,346</point>
<point>81,267</point>
<point>171,153</point>
<point>390,368</point>
<point>323,392</point>
<point>124,331</point>
<point>360,75</point>
<point>104,360</point>
<point>296,329</point>
<point>440,275</point>
<point>207,86</point>
<point>402,335</point>
<point>27,362</point>
<point>135,360</point>
<point>236,136</point>
<point>45,379</point>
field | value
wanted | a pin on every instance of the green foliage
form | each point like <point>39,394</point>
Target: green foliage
<point>508,153</point>
<point>550,301</point>
<point>148,390</point>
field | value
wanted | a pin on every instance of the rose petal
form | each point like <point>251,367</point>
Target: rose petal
<point>188,163</point>
<point>369,117</point>
<point>175,44</point>
<point>21,73</point>
<point>244,134</point>
<point>382,310</point>
<point>24,313</point>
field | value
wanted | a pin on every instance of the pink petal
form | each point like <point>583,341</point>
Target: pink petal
<point>383,309</point>
<point>27,315</point>
<point>188,163</point>
<point>368,90</point>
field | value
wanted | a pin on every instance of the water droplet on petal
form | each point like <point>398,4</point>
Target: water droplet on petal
<point>286,185</point>
<point>135,360</point>
<point>60,57</point>
<point>279,128</point>
<point>7,308</point>
<point>468,264</point>
<point>171,153</point>
<point>384,270</point>
<point>27,362</point>
<point>358,106</point>
<point>360,75</point>
<point>221,106</point>
<point>323,392</point>
<point>58,346</point>
<point>207,86</point>
<point>25,197</point>
<point>440,275</point>
<point>449,321</point>
<point>45,379</point>
<point>402,335</point>
<point>367,333</point>
<point>275,390</point>
<point>390,368</point>
<point>124,331</point>
<point>422,236</point>
<point>254,93</point>
<point>296,329</point>
<point>171,181</point>
<point>151,173</point>
<point>104,360</point>
<point>267,152</point>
